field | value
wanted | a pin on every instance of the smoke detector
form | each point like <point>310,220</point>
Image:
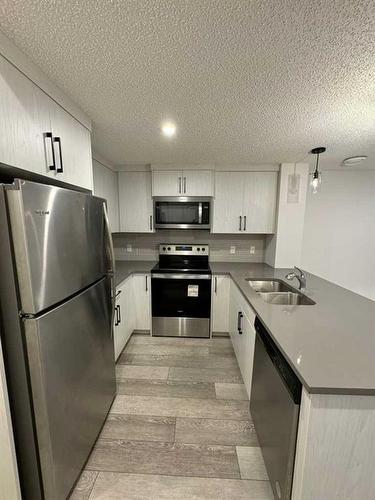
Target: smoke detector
<point>353,160</point>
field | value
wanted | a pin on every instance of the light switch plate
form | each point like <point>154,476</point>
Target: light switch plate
<point>129,248</point>
<point>232,249</point>
<point>252,249</point>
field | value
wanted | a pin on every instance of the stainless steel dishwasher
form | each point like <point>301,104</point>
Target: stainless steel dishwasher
<point>274,406</point>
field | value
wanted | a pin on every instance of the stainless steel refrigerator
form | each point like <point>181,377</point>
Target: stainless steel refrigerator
<point>56,305</point>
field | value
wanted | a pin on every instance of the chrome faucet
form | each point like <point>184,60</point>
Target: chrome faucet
<point>301,277</point>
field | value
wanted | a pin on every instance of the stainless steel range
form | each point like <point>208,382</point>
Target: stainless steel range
<point>181,291</point>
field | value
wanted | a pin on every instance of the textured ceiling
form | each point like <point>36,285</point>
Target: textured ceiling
<point>245,81</point>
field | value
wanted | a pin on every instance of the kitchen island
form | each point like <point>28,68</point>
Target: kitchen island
<point>330,346</point>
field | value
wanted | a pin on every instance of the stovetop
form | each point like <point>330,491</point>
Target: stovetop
<point>183,258</point>
<point>181,269</point>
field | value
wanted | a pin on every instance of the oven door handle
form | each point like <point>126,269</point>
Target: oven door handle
<point>175,276</point>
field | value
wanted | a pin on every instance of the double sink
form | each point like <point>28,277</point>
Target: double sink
<point>278,292</point>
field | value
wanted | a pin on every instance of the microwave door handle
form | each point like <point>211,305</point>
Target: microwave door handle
<point>200,212</point>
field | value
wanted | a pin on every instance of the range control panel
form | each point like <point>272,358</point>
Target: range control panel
<point>183,249</point>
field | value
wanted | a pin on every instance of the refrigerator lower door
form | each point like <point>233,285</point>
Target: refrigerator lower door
<point>58,240</point>
<point>72,374</point>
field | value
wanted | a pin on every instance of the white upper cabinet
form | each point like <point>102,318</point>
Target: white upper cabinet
<point>135,202</point>
<point>36,133</point>
<point>106,186</point>
<point>24,119</point>
<point>245,202</point>
<point>73,141</point>
<point>197,182</point>
<point>182,183</point>
<point>259,202</point>
<point>227,206</point>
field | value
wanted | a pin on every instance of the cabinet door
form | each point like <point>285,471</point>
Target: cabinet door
<point>247,344</point>
<point>124,315</point>
<point>105,186</point>
<point>135,202</point>
<point>167,183</point>
<point>244,342</point>
<point>197,183</point>
<point>220,303</point>
<point>259,201</point>
<point>24,118</point>
<point>75,148</point>
<point>142,301</point>
<point>228,202</point>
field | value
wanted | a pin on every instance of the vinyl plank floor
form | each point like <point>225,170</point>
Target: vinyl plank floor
<point>166,350</point>
<point>228,375</point>
<point>179,429</point>
<point>181,407</point>
<point>142,372</point>
<point>212,431</point>
<point>139,427</point>
<point>83,488</point>
<point>251,463</point>
<point>166,388</point>
<point>115,486</point>
<point>148,457</point>
<point>231,391</point>
<point>212,361</point>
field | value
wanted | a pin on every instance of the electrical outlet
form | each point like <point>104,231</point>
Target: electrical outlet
<point>252,249</point>
<point>233,249</point>
<point>129,248</point>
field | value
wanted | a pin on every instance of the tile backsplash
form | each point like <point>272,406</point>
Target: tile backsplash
<point>145,246</point>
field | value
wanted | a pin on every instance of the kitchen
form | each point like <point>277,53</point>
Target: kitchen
<point>187,250</point>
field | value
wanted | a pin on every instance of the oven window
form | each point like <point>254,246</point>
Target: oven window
<point>181,298</point>
<point>170,212</point>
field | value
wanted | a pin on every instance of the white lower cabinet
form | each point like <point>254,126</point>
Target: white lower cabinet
<point>133,309</point>
<point>220,303</point>
<point>142,301</point>
<point>242,333</point>
<point>124,315</point>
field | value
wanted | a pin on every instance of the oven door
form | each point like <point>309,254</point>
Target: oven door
<point>182,213</point>
<point>181,305</point>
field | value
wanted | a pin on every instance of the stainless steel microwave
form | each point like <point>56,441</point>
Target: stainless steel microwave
<point>182,212</point>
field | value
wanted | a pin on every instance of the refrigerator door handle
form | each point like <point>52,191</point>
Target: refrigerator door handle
<point>111,269</point>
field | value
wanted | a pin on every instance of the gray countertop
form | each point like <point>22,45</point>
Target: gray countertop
<point>330,345</point>
<point>125,268</point>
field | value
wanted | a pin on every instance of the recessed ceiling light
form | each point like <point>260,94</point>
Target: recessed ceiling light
<point>354,160</point>
<point>168,129</point>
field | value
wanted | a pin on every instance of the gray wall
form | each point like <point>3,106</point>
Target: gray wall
<point>145,246</point>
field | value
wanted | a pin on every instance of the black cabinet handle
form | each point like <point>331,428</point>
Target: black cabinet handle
<point>116,314</point>
<point>240,228</point>
<point>150,222</point>
<point>60,169</point>
<point>244,223</point>
<point>146,284</point>
<point>119,314</point>
<point>215,284</point>
<point>48,135</point>
<point>239,322</point>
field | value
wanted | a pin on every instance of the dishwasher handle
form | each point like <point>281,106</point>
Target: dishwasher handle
<point>285,371</point>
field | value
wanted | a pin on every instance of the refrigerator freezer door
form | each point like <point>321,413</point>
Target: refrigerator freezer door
<point>59,242</point>
<point>72,375</point>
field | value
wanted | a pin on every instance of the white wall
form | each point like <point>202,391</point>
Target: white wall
<point>339,232</point>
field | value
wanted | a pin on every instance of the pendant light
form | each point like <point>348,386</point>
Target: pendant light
<point>316,176</point>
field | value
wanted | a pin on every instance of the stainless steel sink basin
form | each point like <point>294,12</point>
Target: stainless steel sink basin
<point>286,298</point>
<point>269,286</point>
